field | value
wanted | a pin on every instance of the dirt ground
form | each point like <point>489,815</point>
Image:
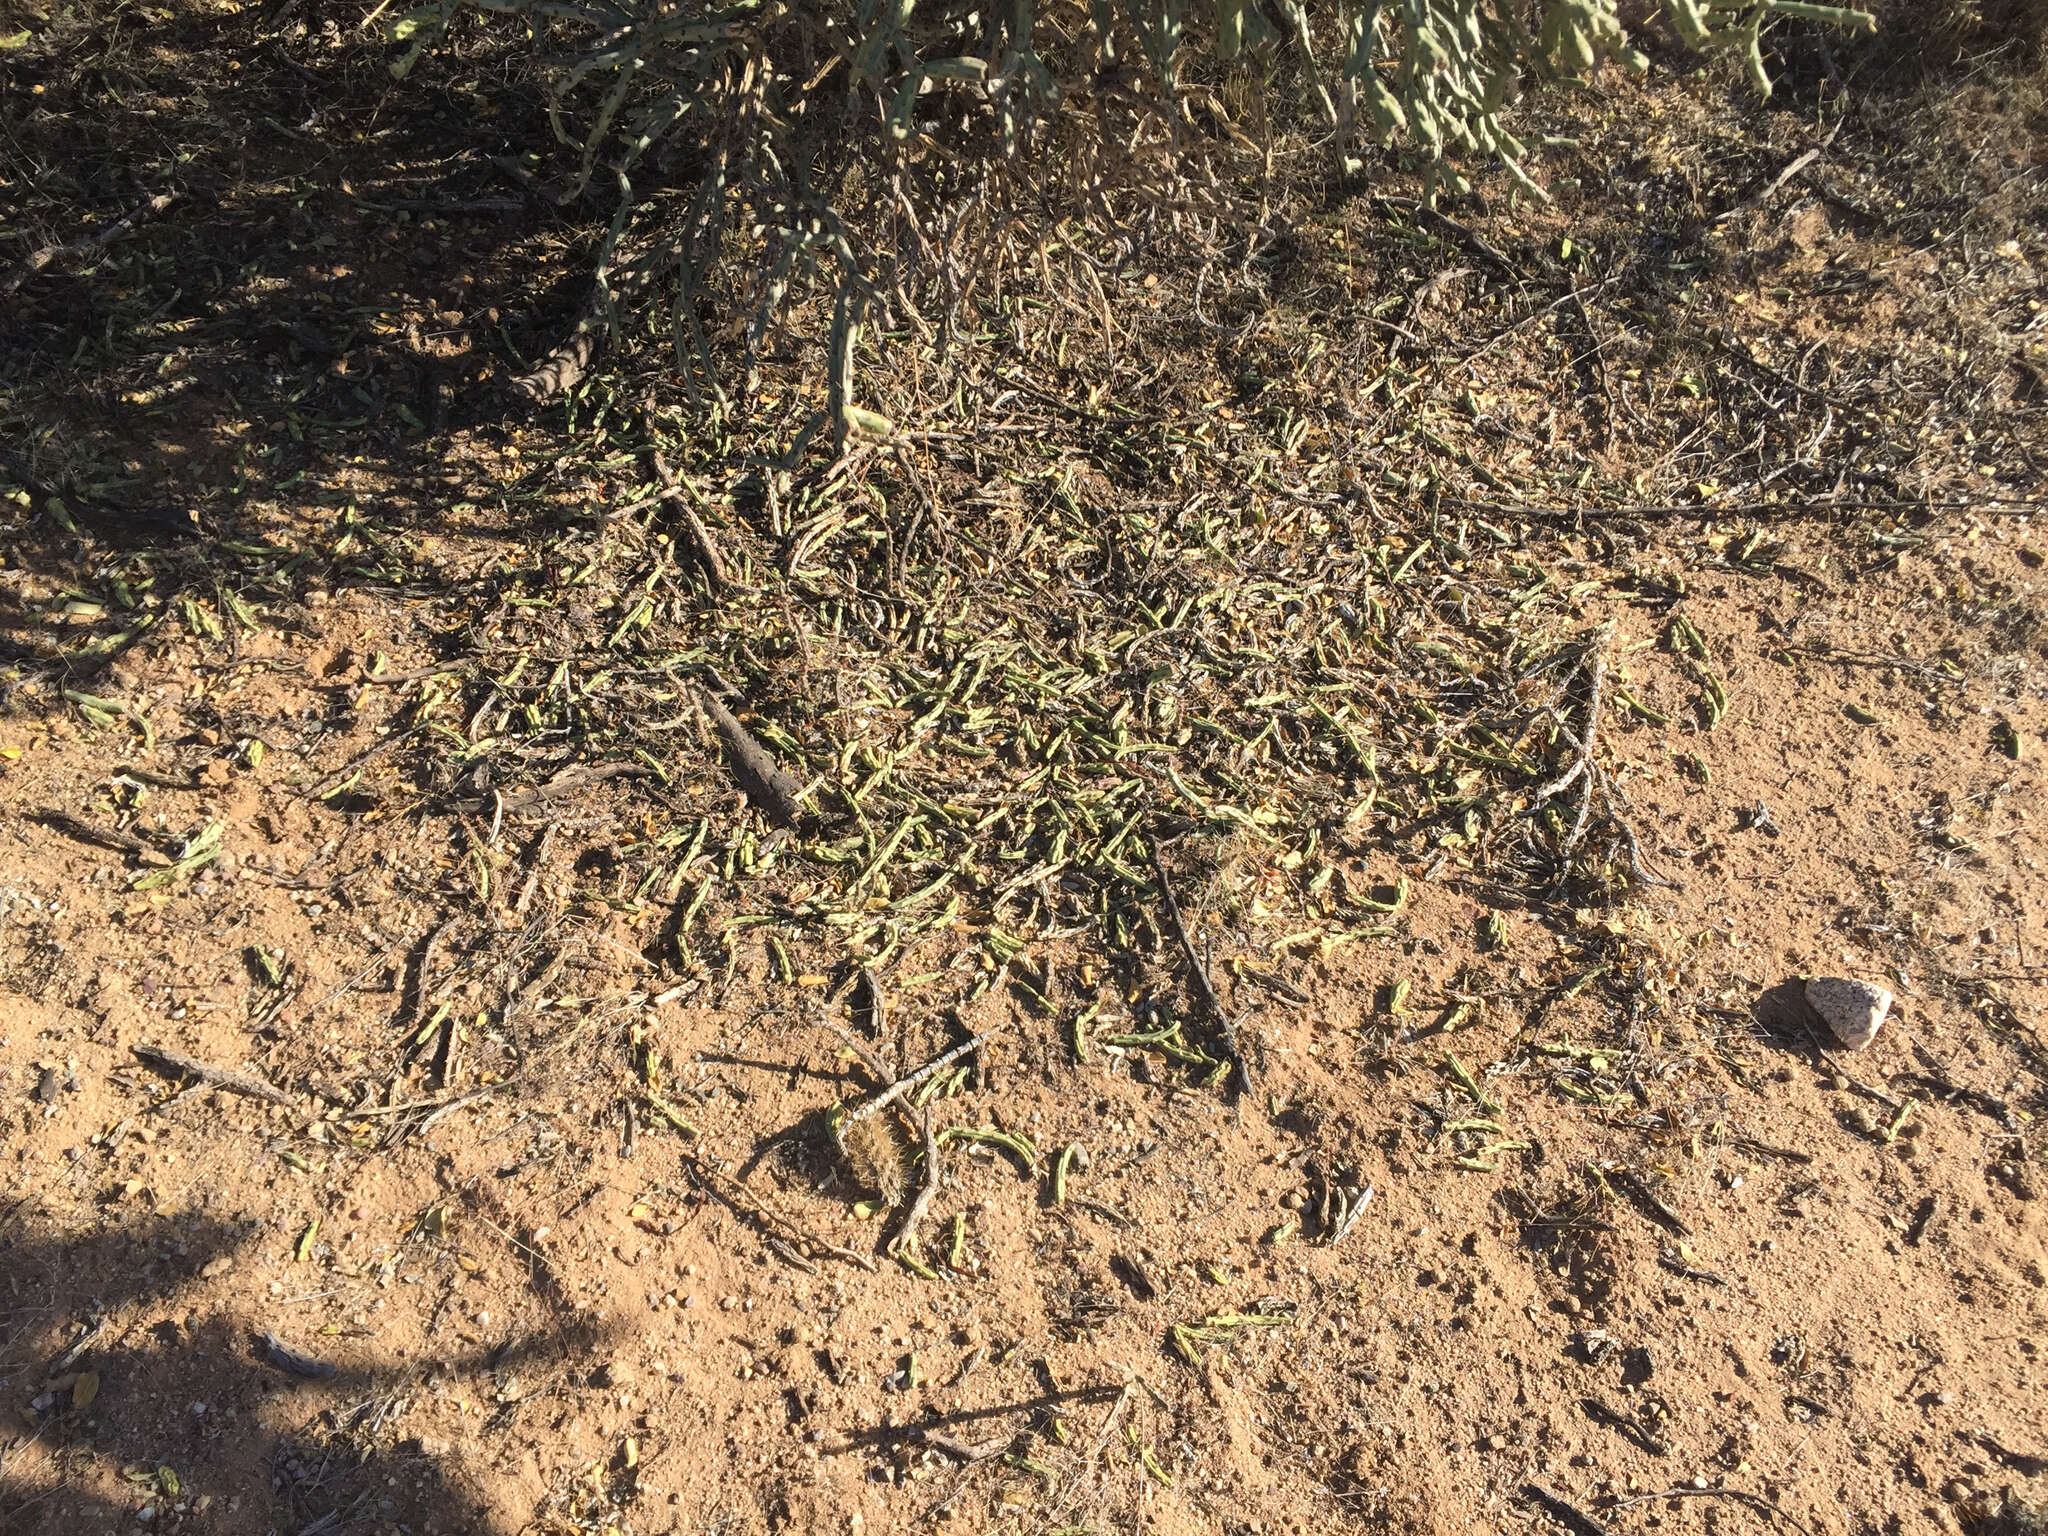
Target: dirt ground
<point>361,769</point>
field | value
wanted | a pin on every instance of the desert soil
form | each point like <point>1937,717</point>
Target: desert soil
<point>545,1224</point>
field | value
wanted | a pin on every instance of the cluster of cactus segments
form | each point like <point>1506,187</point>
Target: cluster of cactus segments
<point>1433,74</point>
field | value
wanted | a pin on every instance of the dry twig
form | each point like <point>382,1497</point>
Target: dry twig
<point>1198,975</point>
<point>174,1064</point>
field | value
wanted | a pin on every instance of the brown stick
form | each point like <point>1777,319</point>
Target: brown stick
<point>1198,976</point>
<point>31,265</point>
<point>174,1065</point>
<point>763,779</point>
<point>683,494</point>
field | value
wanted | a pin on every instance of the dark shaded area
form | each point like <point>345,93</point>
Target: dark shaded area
<point>192,1411</point>
<point>307,319</point>
<point>1784,1016</point>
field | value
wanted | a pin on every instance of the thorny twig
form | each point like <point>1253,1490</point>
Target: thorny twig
<point>903,1085</point>
<point>1585,771</point>
<point>174,1064</point>
<point>1198,975</point>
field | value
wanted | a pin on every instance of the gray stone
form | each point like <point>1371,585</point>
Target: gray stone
<point>1852,1010</point>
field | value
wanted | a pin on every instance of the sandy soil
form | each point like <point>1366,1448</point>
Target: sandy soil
<point>1532,1217</point>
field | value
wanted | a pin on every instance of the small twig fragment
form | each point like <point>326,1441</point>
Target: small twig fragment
<point>173,1065</point>
<point>1198,975</point>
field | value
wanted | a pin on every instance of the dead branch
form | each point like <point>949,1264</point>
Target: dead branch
<point>1198,975</point>
<point>36,262</point>
<point>176,1066</point>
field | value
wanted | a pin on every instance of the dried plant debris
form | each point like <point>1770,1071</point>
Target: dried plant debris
<point>876,1156</point>
<point>764,780</point>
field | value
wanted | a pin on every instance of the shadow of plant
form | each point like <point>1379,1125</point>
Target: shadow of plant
<point>139,1401</point>
<point>303,320</point>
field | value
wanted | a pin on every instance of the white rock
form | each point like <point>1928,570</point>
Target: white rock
<point>1852,1010</point>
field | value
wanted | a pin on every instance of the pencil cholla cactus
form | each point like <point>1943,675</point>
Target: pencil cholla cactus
<point>758,144</point>
<point>1436,73</point>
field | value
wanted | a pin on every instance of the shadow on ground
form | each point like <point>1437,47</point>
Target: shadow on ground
<point>307,319</point>
<point>139,1396</point>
